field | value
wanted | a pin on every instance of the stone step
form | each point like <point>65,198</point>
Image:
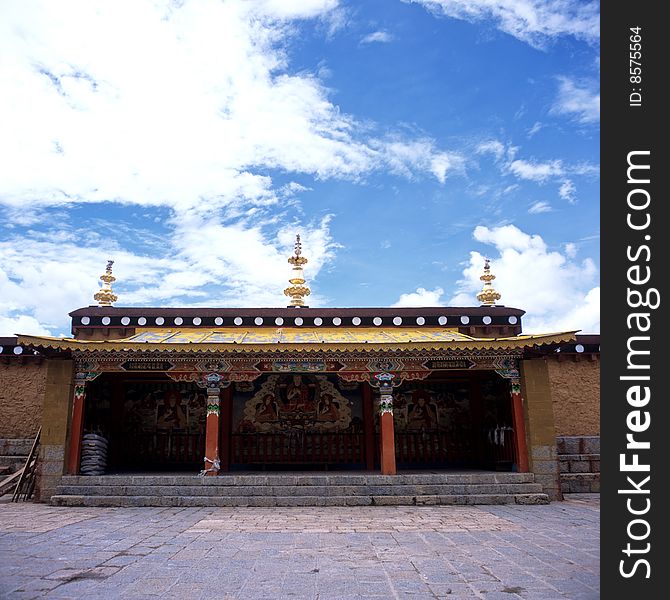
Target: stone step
<point>299,490</point>
<point>303,479</point>
<point>14,462</point>
<point>15,446</point>
<point>295,501</point>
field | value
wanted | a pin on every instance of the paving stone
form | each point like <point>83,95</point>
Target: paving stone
<point>546,552</point>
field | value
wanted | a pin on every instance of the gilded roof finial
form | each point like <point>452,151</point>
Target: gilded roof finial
<point>297,290</point>
<point>105,296</point>
<point>488,295</point>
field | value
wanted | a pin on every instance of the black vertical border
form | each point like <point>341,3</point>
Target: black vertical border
<point>627,128</point>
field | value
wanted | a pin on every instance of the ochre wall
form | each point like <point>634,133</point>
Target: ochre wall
<point>575,394</point>
<point>21,397</point>
<point>540,429</point>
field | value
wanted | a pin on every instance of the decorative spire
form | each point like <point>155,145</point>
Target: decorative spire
<point>105,296</point>
<point>488,295</point>
<point>297,290</point>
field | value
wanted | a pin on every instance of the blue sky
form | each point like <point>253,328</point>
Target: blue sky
<point>404,140</point>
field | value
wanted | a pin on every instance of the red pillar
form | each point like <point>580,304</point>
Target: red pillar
<point>519,428</point>
<point>212,464</point>
<point>368,426</point>
<point>76,429</point>
<point>387,435</point>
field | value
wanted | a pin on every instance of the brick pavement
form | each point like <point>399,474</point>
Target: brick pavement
<point>452,552</point>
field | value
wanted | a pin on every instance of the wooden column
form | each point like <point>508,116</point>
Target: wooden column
<point>387,432</point>
<point>212,463</point>
<point>368,426</point>
<point>519,428</point>
<point>226,426</point>
<point>76,428</point>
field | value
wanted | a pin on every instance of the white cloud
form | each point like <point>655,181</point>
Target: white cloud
<point>532,21</point>
<point>245,262</point>
<point>570,249</point>
<point>494,147</point>
<point>568,191</point>
<point>421,297</point>
<point>536,171</point>
<point>377,36</point>
<point>578,100</point>
<point>187,114</point>
<point>557,292</point>
<point>534,129</point>
<point>408,157</point>
<point>540,207</point>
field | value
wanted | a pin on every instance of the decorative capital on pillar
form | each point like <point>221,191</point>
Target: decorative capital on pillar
<point>385,404</point>
<point>488,295</point>
<point>516,386</point>
<point>213,405</point>
<point>105,296</point>
<point>297,291</point>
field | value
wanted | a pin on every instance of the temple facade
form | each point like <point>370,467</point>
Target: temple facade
<point>225,390</point>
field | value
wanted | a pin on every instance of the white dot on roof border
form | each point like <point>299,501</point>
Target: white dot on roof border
<point>465,320</point>
<point>258,320</point>
<point>397,320</point>
<point>237,320</point>
<point>178,320</point>
<point>420,321</point>
<point>218,321</point>
<point>356,321</point>
<point>1,349</point>
<point>106,320</point>
<point>197,320</point>
<point>142,321</point>
<point>279,321</point>
<point>85,320</point>
<point>160,320</point>
<point>377,321</point>
<point>298,321</point>
<point>579,348</point>
<point>337,321</point>
<point>18,350</point>
<point>512,320</point>
<point>442,320</point>
<point>487,320</point>
<point>125,320</point>
<point>318,321</point>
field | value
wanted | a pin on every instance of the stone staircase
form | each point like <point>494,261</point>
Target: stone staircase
<point>300,489</point>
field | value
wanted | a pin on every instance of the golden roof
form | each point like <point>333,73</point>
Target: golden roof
<point>286,339</point>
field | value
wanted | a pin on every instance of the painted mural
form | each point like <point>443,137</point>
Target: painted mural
<point>301,402</point>
<point>150,407</point>
<point>432,407</point>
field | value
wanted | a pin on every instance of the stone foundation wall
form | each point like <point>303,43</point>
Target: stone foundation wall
<point>579,464</point>
<point>575,394</point>
<point>22,388</point>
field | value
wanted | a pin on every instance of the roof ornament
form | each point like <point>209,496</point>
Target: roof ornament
<point>105,296</point>
<point>297,290</point>
<point>488,295</point>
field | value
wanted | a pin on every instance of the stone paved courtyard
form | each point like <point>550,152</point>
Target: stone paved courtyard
<point>494,552</point>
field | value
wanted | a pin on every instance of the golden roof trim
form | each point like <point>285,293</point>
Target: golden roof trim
<point>466,343</point>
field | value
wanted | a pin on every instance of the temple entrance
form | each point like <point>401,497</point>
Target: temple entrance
<point>453,421</point>
<point>297,420</point>
<point>151,424</point>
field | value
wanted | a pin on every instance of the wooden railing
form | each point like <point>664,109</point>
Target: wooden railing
<point>158,449</point>
<point>298,448</point>
<point>433,447</point>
